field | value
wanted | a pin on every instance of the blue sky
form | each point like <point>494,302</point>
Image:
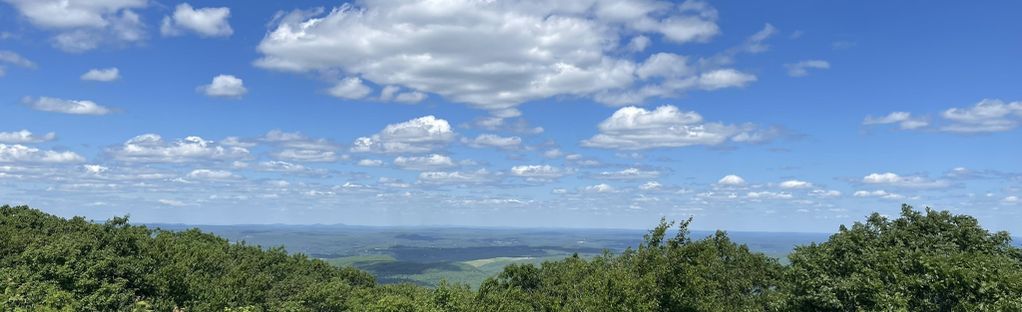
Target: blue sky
<point>769,115</point>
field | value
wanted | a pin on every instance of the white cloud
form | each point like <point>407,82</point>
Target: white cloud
<point>172,202</point>
<point>430,162</point>
<point>106,74</point>
<point>225,86</point>
<point>75,107</point>
<point>370,163</point>
<point>282,166</point>
<point>410,97</point>
<point>207,174</point>
<point>629,173</point>
<point>25,136</point>
<point>152,148</point>
<point>553,153</point>
<point>904,120</point>
<point>731,180</point>
<point>295,146</point>
<point>892,179</point>
<point>17,153</point>
<point>207,22</point>
<point>768,195</point>
<point>801,69</point>
<point>879,193</point>
<point>83,25</point>
<point>350,88</point>
<point>795,184</point>
<point>420,135</point>
<point>509,52</point>
<point>456,177</point>
<point>9,57</point>
<point>1011,200</point>
<point>599,188</point>
<point>989,115</point>
<point>825,193</point>
<point>650,186</point>
<point>95,169</point>
<point>496,141</point>
<point>634,128</point>
<point>537,172</point>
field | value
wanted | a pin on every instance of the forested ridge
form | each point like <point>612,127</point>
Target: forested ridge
<point>921,261</point>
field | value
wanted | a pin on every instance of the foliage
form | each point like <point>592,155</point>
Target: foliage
<point>922,261</point>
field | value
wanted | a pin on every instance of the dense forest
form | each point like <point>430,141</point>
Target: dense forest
<point>922,261</point>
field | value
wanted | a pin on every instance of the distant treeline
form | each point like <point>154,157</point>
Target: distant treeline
<point>923,261</point>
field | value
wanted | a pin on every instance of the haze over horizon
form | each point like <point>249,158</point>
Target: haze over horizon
<point>779,116</point>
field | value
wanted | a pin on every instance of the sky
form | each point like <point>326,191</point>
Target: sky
<point>793,116</point>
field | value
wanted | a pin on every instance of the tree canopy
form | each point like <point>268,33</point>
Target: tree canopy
<point>921,261</point>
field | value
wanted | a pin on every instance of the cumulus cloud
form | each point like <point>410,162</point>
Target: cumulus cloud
<point>9,57</point>
<point>82,25</point>
<point>731,180</point>
<point>508,52</point>
<point>74,107</point>
<point>768,195</point>
<point>628,174</point>
<point>989,115</point>
<point>104,75</point>
<point>419,135</point>
<point>480,176</point>
<point>370,162</point>
<point>537,172</point>
<point>152,148</point>
<point>207,22</point>
<point>350,88</point>
<point>496,141</point>
<point>18,153</point>
<point>903,119</point>
<point>801,69</point>
<point>208,174</point>
<point>879,194</point>
<point>599,188</point>
<point>635,128</point>
<point>651,186</point>
<point>294,146</point>
<point>892,179</point>
<point>795,184</point>
<point>430,162</point>
<point>225,86</point>
<point>24,136</point>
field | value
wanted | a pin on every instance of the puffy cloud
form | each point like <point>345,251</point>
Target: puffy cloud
<point>599,188</point>
<point>880,194</point>
<point>537,172</point>
<point>480,176</point>
<point>418,135</point>
<point>25,136</point>
<point>106,74</point>
<point>391,93</point>
<point>493,140</point>
<point>892,179</point>
<point>75,107</point>
<point>768,195</point>
<point>207,174</point>
<point>83,25</point>
<point>509,52</point>
<point>294,146</point>
<point>152,148</point>
<point>207,22</point>
<point>989,115</point>
<point>430,162</point>
<point>731,180</point>
<point>370,162</point>
<point>795,184</point>
<point>350,88</point>
<point>634,128</point>
<point>1011,200</point>
<point>9,57</point>
<point>95,169</point>
<point>903,119</point>
<point>651,186</point>
<point>825,193</point>
<point>629,173</point>
<point>18,153</point>
<point>225,86</point>
<point>801,69</point>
